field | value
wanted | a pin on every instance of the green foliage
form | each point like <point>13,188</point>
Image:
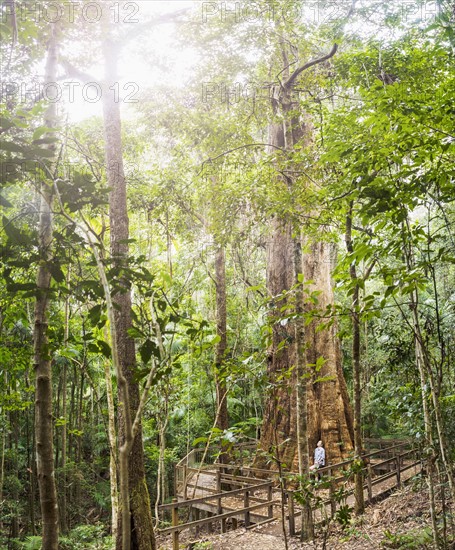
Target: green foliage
<point>83,537</point>
<point>309,494</point>
<point>30,543</point>
<point>383,150</point>
<point>343,515</point>
<point>418,538</point>
<point>203,546</point>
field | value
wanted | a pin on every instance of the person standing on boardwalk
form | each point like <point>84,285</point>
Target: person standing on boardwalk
<point>319,457</point>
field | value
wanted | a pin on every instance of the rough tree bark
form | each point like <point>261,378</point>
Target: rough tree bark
<point>328,407</point>
<point>142,536</point>
<point>222,422</point>
<point>330,415</point>
<point>42,358</point>
<point>113,449</point>
<point>63,519</point>
<point>358,476</point>
<point>307,531</point>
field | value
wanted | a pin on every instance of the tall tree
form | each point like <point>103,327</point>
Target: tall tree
<point>359,497</point>
<point>222,420</point>
<point>141,527</point>
<point>42,355</point>
<point>329,413</point>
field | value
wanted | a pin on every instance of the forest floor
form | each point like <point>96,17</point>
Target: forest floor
<point>384,525</point>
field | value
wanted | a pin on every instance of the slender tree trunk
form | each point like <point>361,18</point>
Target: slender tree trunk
<point>78,439</point>
<point>161,474</point>
<point>57,415</point>
<point>42,358</point>
<point>31,467</point>
<point>358,476</point>
<point>425,358</point>
<point>14,446</point>
<point>2,451</point>
<point>431,459</point>
<point>303,451</point>
<point>112,445</point>
<point>135,500</point>
<point>221,324</point>
<point>63,519</point>
<point>72,422</point>
<point>420,362</point>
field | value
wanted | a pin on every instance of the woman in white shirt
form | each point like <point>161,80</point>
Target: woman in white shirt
<point>319,457</point>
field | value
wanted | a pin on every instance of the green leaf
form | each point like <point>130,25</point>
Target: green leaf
<point>4,202</point>
<point>94,314</point>
<point>40,132</point>
<point>14,234</point>
<point>148,350</point>
<point>104,348</point>
<point>199,440</point>
<point>11,147</point>
<point>56,272</point>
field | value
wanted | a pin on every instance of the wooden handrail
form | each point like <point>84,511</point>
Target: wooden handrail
<point>363,456</point>
<point>243,476</point>
<point>203,521</point>
<point>368,484</point>
<point>199,500</point>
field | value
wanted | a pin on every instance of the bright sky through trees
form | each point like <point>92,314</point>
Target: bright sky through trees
<point>156,59</point>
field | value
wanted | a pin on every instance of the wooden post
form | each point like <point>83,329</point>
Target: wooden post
<point>333,505</point>
<point>291,514</point>
<point>175,522</point>
<point>185,481</point>
<point>270,498</point>
<point>219,505</point>
<point>369,482</point>
<point>218,480</point>
<point>197,515</point>
<point>398,466</point>
<point>210,524</point>
<point>246,504</point>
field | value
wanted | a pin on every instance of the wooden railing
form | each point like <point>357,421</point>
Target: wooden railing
<point>250,504</point>
<point>384,460</point>
<point>201,459</point>
<point>399,460</point>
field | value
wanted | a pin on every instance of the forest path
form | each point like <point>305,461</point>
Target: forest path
<point>404,510</point>
<point>205,485</point>
<point>379,491</point>
<point>240,499</point>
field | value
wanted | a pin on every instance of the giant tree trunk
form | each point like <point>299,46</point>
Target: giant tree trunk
<point>142,536</point>
<point>280,407</point>
<point>330,413</point>
<point>328,408</point>
<point>42,358</point>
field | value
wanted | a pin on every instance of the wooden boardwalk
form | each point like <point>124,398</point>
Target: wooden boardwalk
<point>229,494</point>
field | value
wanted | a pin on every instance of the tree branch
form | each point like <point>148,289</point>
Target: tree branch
<point>296,73</point>
<point>210,159</point>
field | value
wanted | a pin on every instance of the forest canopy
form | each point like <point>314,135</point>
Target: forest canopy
<point>223,223</point>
